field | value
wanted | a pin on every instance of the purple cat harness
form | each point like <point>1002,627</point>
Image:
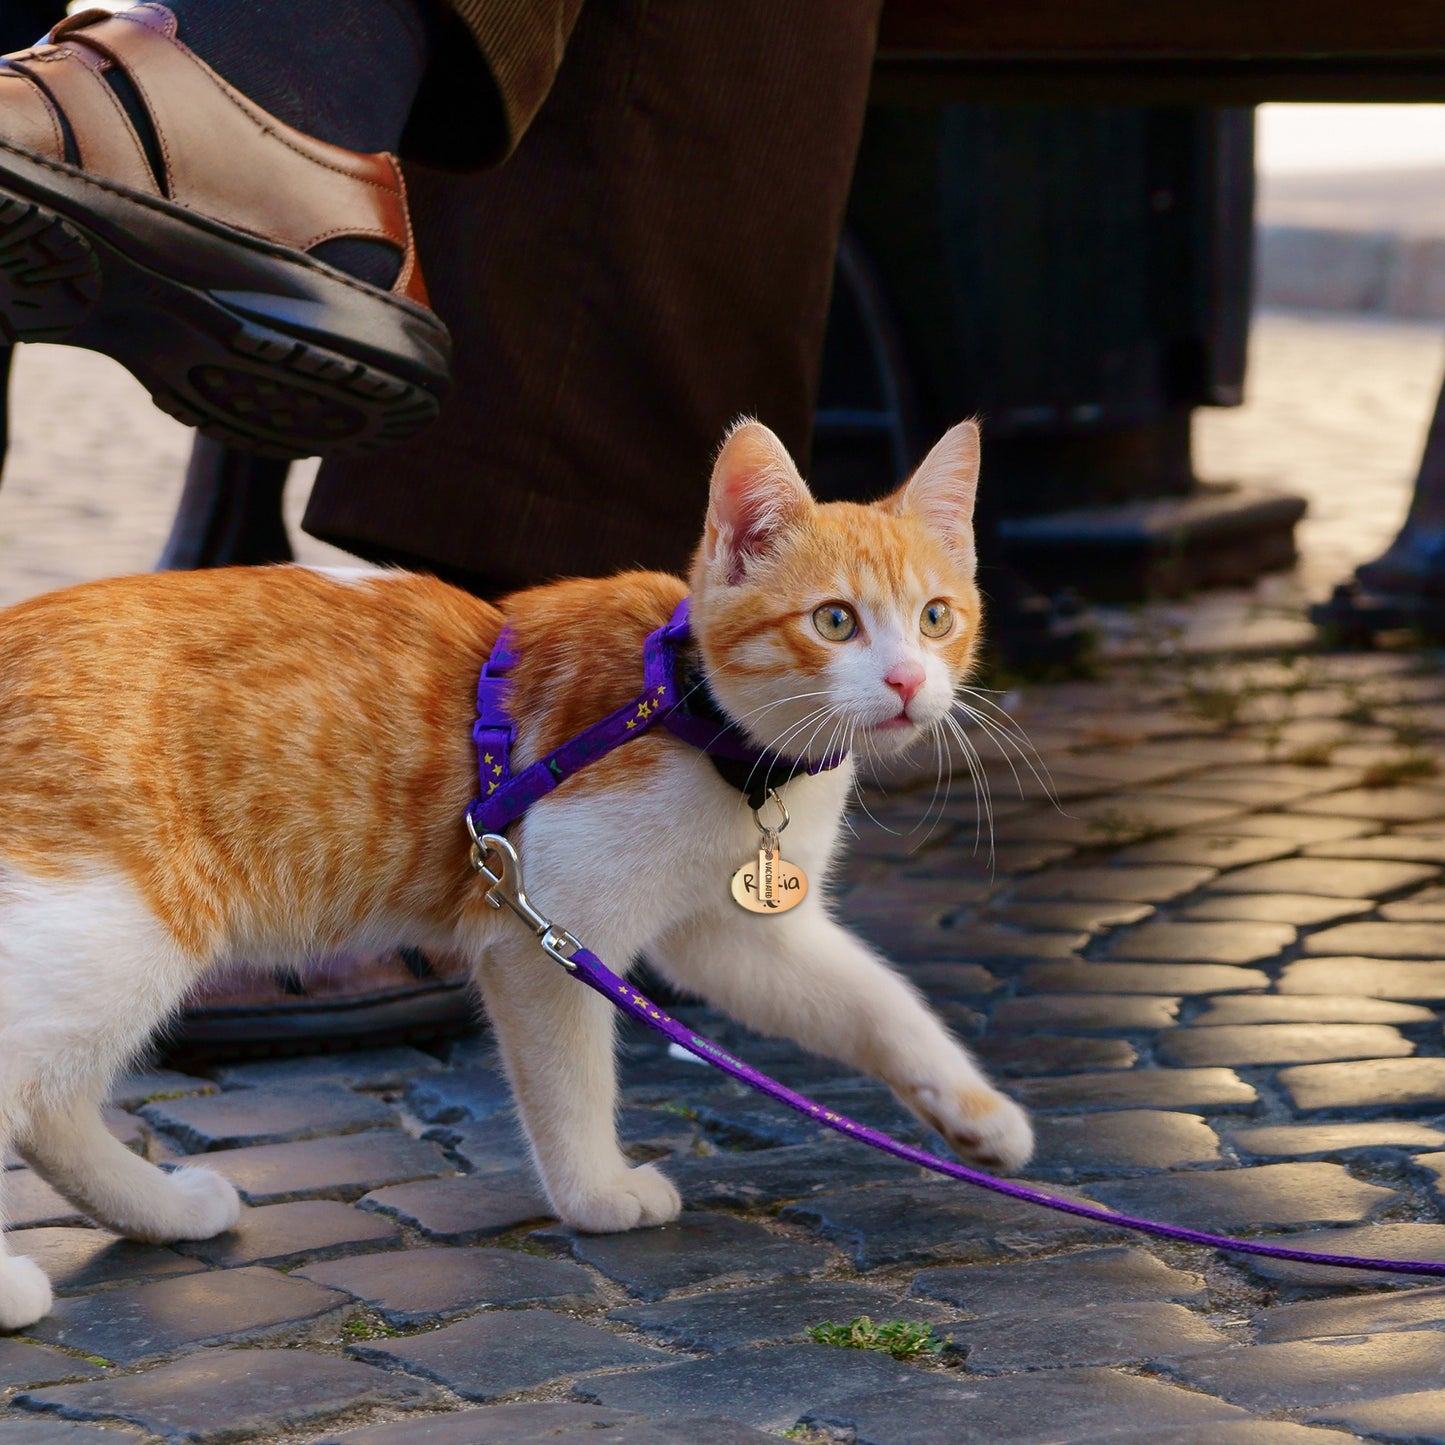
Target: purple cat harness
<point>505,797</point>
<point>669,698</point>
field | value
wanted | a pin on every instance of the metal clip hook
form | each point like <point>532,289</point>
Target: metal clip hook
<point>506,888</point>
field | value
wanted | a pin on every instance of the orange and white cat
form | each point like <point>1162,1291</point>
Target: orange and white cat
<point>200,768</point>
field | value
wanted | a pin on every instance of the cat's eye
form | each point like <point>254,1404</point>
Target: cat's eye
<point>835,621</point>
<point>936,619</point>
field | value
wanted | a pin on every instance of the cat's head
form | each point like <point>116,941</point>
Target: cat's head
<point>836,624</point>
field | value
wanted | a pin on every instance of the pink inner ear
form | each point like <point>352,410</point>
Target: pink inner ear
<point>756,492</point>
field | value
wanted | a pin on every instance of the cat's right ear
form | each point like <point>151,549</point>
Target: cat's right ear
<point>756,495</point>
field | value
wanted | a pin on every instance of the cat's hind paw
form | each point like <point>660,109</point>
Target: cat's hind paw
<point>637,1197</point>
<point>982,1126</point>
<point>24,1293</point>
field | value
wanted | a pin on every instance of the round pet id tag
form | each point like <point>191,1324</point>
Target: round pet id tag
<point>770,884</point>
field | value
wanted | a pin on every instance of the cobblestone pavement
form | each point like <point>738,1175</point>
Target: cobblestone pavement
<point>1213,969</point>
<point>1213,972</point>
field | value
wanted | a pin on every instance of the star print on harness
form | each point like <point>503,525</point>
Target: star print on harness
<point>671,697</point>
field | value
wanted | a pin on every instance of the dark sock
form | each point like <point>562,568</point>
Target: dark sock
<point>343,71</point>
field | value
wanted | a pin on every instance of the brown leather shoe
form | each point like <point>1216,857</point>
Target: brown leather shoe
<point>180,247</point>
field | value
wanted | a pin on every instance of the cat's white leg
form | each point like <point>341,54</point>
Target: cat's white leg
<point>72,1150</point>
<point>24,1289</point>
<point>803,975</point>
<point>87,972</point>
<point>556,1038</point>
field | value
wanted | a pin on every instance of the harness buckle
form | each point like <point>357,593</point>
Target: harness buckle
<point>505,888</point>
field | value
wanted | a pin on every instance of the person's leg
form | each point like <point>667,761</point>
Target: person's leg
<point>654,260</point>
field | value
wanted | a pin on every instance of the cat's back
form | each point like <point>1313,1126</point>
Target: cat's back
<point>195,711</point>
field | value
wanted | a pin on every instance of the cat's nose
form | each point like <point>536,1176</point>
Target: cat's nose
<point>905,678</point>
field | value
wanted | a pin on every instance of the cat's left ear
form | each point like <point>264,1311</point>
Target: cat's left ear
<point>941,492</point>
<point>756,495</point>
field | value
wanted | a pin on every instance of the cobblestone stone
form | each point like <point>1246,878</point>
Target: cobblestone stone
<point>33,1431</point>
<point>1302,1140</point>
<point>226,1394</point>
<point>499,1353</point>
<point>1155,1088</point>
<point>1017,1058</point>
<point>30,1201</point>
<point>725,1319</point>
<point>1405,847</point>
<point>1246,1045</point>
<point>1118,1334</point>
<point>533,1424</point>
<point>278,1234</point>
<point>1105,1013</point>
<point>413,1286</point>
<point>896,1223</point>
<point>1229,943</point>
<point>1382,1241</point>
<point>1084,917</point>
<point>695,1249</point>
<point>1367,1084</point>
<point>1327,877</point>
<point>1145,884</point>
<point>464,1209</point>
<point>1033,1408</point>
<point>1417,1418</point>
<point>1128,1142</point>
<point>770,1176</point>
<point>130,1091</point>
<point>264,1115</point>
<point>1380,805</point>
<point>1368,976</point>
<point>771,1388</point>
<point>1146,978</point>
<point>341,1168</point>
<point>1307,1009</point>
<point>1354,1315</point>
<point>83,1259</point>
<point>1308,1193</point>
<point>1378,940</point>
<point>1204,850</point>
<point>1089,1277</point>
<point>24,1363</point>
<point>149,1321</point>
<point>1301,910</point>
<point>1319,1372</point>
<point>465,1094</point>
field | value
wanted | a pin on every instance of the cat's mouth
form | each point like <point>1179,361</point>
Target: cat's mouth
<point>896,723</point>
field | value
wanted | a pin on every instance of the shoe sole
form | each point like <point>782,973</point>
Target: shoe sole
<point>255,346</point>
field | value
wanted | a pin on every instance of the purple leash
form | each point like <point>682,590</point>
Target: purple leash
<point>504,797</point>
<point>506,888</point>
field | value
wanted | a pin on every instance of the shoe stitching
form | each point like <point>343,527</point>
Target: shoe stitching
<point>158,203</point>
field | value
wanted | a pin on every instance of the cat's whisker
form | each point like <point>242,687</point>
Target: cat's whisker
<point>982,795</point>
<point>1010,748</point>
<point>1008,732</point>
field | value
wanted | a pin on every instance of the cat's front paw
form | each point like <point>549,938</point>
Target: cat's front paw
<point>24,1293</point>
<point>636,1197</point>
<point>981,1125</point>
<point>199,1205</point>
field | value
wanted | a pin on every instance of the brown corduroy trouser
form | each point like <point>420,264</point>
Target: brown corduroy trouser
<point>652,260</point>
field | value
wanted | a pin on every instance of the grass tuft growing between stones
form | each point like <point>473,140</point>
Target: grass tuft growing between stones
<point>903,1339</point>
<point>1400,770</point>
<point>366,1326</point>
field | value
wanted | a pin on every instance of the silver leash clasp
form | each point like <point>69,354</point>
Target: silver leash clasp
<point>505,887</point>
